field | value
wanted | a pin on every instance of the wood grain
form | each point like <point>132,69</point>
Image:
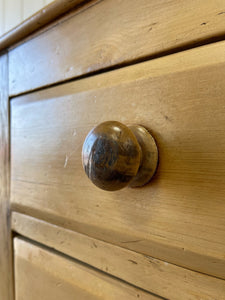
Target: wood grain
<point>55,277</point>
<point>6,278</point>
<point>112,33</point>
<point>153,275</point>
<point>111,156</point>
<point>179,216</point>
<point>35,22</point>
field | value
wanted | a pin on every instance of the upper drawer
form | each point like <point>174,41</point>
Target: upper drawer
<point>179,216</point>
<point>109,33</point>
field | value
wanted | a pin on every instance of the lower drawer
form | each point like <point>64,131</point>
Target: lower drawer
<point>44,275</point>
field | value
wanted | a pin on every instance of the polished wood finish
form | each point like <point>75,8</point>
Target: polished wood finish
<point>112,33</point>
<point>43,274</point>
<point>179,216</point>
<point>6,278</point>
<point>149,156</point>
<point>37,21</point>
<point>153,275</point>
<point>115,156</point>
<point>111,155</point>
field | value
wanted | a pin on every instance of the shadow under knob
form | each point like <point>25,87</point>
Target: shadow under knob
<point>115,156</point>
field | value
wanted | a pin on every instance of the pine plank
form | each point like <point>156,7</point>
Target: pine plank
<point>112,33</point>
<point>153,275</point>
<point>179,216</point>
<point>55,277</point>
<point>6,275</point>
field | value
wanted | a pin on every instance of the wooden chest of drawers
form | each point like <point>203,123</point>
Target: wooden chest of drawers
<point>157,64</point>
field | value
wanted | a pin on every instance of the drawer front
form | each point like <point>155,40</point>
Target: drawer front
<point>155,276</point>
<point>44,275</point>
<point>179,216</point>
<point>109,33</point>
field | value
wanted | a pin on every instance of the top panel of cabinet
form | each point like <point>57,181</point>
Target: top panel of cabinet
<point>112,33</point>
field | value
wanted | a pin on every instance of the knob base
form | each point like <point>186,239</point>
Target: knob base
<point>149,161</point>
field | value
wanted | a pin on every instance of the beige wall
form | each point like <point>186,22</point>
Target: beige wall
<point>12,12</point>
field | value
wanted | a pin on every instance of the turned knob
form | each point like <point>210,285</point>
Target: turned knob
<point>115,155</point>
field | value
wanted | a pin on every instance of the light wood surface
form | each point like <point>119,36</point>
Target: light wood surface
<point>111,33</point>
<point>156,276</point>
<point>6,283</point>
<point>55,277</point>
<point>35,22</point>
<point>179,216</point>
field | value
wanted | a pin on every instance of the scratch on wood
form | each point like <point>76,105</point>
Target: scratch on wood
<point>67,158</point>
<point>167,118</point>
<point>66,161</point>
<point>95,245</point>
<point>133,261</point>
<point>135,241</point>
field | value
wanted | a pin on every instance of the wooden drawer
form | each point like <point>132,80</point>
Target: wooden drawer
<point>179,216</point>
<point>112,33</point>
<point>150,274</point>
<point>44,275</point>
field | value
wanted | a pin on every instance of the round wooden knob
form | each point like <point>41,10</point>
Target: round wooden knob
<point>115,155</point>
